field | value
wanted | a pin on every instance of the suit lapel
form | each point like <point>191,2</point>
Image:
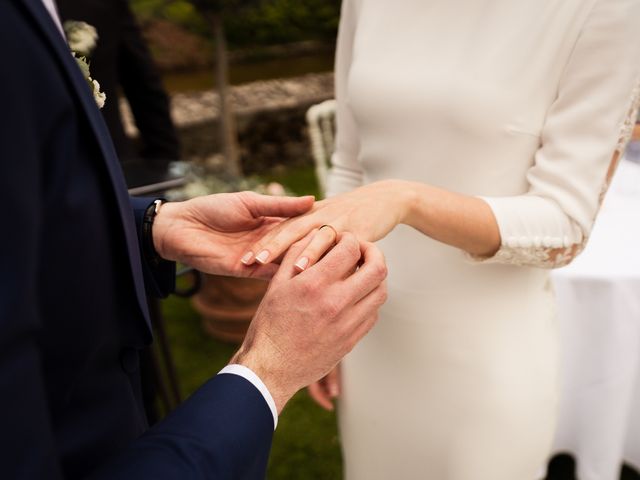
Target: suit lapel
<point>81,89</point>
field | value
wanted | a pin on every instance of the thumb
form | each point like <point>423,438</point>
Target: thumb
<point>270,206</point>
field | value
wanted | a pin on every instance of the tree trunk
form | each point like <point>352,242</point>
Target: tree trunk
<point>228,130</point>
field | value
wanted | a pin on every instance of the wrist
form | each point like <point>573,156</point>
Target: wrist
<point>278,387</point>
<point>148,221</point>
<point>405,196</point>
<point>165,217</point>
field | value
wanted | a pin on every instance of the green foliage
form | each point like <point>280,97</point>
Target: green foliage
<point>181,12</point>
<point>146,9</point>
<point>250,22</point>
<point>282,21</point>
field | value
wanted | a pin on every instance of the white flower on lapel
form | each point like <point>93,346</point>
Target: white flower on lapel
<point>100,97</point>
<point>82,39</point>
<point>81,36</point>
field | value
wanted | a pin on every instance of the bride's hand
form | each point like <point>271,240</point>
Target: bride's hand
<point>326,389</point>
<point>369,212</point>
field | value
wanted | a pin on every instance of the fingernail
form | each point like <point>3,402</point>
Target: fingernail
<point>302,263</point>
<point>333,391</point>
<point>262,256</point>
<point>247,258</point>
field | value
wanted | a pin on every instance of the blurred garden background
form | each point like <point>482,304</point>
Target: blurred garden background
<point>280,58</point>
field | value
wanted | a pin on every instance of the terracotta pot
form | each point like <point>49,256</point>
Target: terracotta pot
<point>227,305</point>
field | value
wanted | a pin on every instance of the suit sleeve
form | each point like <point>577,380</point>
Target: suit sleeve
<point>143,88</point>
<point>28,449</point>
<point>224,431</point>
<point>159,277</point>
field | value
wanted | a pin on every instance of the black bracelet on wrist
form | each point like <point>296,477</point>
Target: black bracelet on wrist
<point>147,233</point>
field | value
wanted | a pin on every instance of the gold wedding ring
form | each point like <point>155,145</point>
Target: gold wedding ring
<point>329,226</point>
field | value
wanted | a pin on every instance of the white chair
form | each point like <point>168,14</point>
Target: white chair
<point>321,124</point>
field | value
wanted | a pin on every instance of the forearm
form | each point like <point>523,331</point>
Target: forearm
<point>458,220</point>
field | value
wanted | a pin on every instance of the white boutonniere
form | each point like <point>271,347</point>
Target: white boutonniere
<point>82,39</point>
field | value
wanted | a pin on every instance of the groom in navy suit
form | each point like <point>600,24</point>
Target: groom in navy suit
<point>77,258</point>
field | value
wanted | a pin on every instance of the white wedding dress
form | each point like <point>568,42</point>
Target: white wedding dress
<point>523,103</point>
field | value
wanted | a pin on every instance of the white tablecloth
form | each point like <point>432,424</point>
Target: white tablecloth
<point>599,317</point>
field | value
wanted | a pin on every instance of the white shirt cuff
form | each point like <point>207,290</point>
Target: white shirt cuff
<point>248,374</point>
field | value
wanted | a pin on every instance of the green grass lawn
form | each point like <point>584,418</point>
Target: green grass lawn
<point>306,442</point>
<point>300,181</point>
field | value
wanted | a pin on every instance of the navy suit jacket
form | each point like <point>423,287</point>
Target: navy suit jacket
<point>73,313</point>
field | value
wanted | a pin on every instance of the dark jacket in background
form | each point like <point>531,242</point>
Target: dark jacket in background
<point>123,64</point>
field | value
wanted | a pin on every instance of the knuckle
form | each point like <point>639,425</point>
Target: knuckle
<point>344,330</point>
<point>381,270</point>
<point>350,244</point>
<point>331,308</point>
<point>247,195</point>
<point>307,290</point>
<point>380,263</point>
<point>250,194</point>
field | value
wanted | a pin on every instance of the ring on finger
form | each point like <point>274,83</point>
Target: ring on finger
<point>332,228</point>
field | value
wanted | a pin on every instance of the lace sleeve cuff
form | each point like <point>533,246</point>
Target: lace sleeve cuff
<point>535,232</point>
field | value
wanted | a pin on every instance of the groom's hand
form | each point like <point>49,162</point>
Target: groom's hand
<point>308,321</point>
<point>211,233</point>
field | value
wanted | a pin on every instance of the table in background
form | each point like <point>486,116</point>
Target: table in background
<point>599,319</point>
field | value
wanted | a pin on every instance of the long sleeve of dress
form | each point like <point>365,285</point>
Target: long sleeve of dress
<point>583,137</point>
<point>346,173</point>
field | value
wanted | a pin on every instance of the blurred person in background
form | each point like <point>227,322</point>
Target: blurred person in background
<point>475,141</point>
<point>124,66</point>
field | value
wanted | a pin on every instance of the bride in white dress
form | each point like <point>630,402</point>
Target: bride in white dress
<point>475,140</point>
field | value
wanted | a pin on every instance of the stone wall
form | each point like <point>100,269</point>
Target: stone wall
<point>270,117</point>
